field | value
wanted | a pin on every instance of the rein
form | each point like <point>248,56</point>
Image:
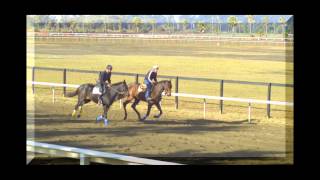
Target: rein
<point>119,92</point>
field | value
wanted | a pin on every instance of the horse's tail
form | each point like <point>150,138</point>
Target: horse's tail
<point>71,94</point>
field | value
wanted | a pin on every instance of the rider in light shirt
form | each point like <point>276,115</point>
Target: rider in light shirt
<point>150,79</point>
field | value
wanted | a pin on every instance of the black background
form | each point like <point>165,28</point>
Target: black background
<point>13,93</point>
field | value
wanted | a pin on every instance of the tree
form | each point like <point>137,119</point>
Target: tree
<point>282,22</point>
<point>58,23</point>
<point>106,21</point>
<point>167,27</point>
<point>36,23</point>
<point>232,21</point>
<point>137,21</point>
<point>72,25</point>
<point>49,25</point>
<point>197,27</point>
<point>153,23</point>
<point>219,25</point>
<point>212,18</point>
<point>239,26</point>
<point>171,23</point>
<point>251,20</point>
<point>202,27</point>
<point>266,22</point>
<point>185,25</point>
<point>120,23</point>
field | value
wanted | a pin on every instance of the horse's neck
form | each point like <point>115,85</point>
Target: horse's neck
<point>159,87</point>
<point>113,95</point>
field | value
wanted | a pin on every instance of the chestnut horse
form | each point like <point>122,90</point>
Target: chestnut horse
<point>156,96</point>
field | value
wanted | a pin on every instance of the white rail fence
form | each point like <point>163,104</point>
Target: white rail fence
<point>86,156</point>
<point>193,37</point>
<point>204,97</point>
<point>163,36</point>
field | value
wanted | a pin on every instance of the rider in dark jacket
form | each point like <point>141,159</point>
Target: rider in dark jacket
<point>150,79</point>
<point>104,80</point>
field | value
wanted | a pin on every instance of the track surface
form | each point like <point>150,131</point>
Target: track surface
<point>174,135</point>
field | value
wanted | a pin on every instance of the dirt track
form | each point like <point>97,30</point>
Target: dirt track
<point>171,136</point>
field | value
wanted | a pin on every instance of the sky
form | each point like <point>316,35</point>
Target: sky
<point>177,18</point>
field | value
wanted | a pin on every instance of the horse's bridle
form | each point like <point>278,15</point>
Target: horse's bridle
<point>163,89</point>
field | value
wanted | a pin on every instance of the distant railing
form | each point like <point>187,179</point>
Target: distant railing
<point>168,37</point>
<point>204,97</point>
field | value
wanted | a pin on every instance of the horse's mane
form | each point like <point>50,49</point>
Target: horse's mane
<point>118,83</point>
<point>164,81</point>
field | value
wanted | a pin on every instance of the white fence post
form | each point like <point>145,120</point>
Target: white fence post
<point>204,108</point>
<point>249,112</point>
<point>53,95</point>
<point>84,160</point>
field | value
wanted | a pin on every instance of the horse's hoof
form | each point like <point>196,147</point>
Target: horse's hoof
<point>98,118</point>
<point>105,122</point>
<point>143,118</point>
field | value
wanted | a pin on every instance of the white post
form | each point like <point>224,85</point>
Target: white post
<point>249,112</point>
<point>204,108</point>
<point>84,160</point>
<point>53,95</point>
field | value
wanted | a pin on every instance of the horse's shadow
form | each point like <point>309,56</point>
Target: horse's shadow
<point>45,119</point>
<point>195,122</point>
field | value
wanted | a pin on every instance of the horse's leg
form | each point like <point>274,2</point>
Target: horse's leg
<point>135,103</point>
<point>105,114</point>
<point>75,110</point>
<point>81,105</point>
<point>159,108</point>
<point>124,105</point>
<point>105,111</point>
<point>148,112</point>
<point>80,110</point>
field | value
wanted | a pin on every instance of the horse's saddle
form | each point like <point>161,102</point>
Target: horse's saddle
<point>96,90</point>
<point>142,87</point>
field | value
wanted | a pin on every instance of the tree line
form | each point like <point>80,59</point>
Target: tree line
<point>116,24</point>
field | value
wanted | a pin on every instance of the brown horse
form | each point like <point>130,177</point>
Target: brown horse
<point>115,92</point>
<point>156,96</point>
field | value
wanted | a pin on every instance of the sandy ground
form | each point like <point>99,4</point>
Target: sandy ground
<point>179,133</point>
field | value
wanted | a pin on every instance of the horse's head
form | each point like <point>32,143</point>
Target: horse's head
<point>122,88</point>
<point>167,88</point>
